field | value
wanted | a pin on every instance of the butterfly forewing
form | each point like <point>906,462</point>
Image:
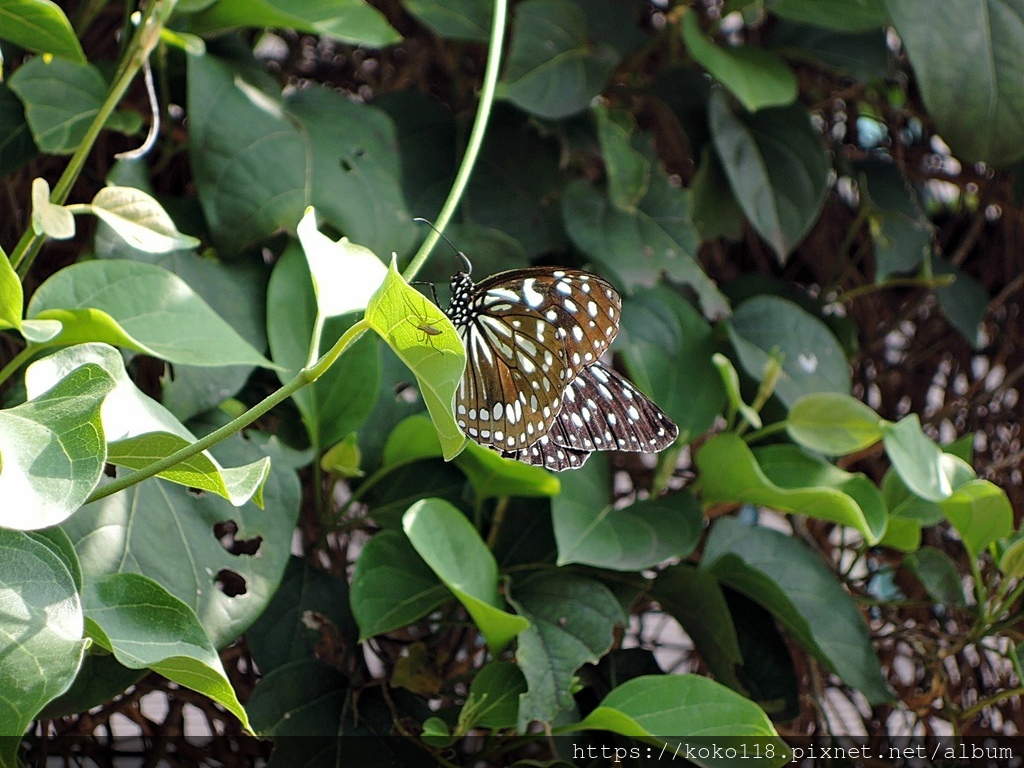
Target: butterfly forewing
<point>528,333</point>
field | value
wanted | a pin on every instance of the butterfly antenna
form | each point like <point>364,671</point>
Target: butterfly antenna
<point>465,259</point>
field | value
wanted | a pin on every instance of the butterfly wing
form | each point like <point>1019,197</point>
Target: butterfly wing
<point>548,454</point>
<point>603,411</point>
<point>528,333</point>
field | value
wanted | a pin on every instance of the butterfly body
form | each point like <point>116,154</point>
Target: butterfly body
<point>533,389</point>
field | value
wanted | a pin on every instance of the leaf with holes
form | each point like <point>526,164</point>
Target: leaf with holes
<point>313,148</point>
<point>41,643</point>
<point>146,627</point>
<point>223,562</point>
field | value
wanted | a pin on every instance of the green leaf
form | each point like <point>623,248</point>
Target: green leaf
<point>965,55</point>
<point>591,531</point>
<point>916,458</point>
<point>140,431</point>
<point>730,379</point>
<point>550,70</point>
<point>965,303</point>
<point>716,214</point>
<point>284,632</point>
<point>453,549</point>
<point>729,472</point>
<point>455,19</point>
<point>493,700</point>
<point>791,467</point>
<point>638,247</point>
<point>938,574</point>
<point>48,219</point>
<point>350,21</point>
<point>139,220</point>
<point>862,56</point>
<point>572,622</point>
<point>1011,562</point>
<point>694,598</point>
<point>901,234</point>
<point>39,26</point>
<point>146,627</point>
<point>842,15</point>
<point>667,346</point>
<point>340,401</point>
<point>628,170</point>
<point>493,476</point>
<point>689,707</point>
<point>343,458</point>
<point>833,423</point>
<point>223,562</point>
<point>11,295</point>
<point>41,642</point>
<point>802,593</point>
<point>16,144</point>
<point>755,76</point>
<point>345,275</point>
<point>981,512</point>
<point>314,148</point>
<point>142,307</point>
<point>61,100</point>
<point>392,586</point>
<point>304,698</point>
<point>52,450</point>
<point>777,168</point>
<point>436,356</point>
<point>813,360</point>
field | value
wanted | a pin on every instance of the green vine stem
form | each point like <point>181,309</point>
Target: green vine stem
<point>306,376</point>
<point>146,36</point>
<point>476,140</point>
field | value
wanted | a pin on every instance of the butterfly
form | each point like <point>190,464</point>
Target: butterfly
<point>534,389</point>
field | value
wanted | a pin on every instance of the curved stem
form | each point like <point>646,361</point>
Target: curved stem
<point>476,140</point>
<point>301,379</point>
<point>143,41</point>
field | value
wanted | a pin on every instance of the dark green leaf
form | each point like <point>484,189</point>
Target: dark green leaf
<point>455,19</point>
<point>16,144</point>
<point>843,15</point>
<point>628,170</point>
<point>938,574</point>
<point>777,168</point>
<point>61,99</point>
<point>350,21</point>
<point>590,531</point>
<point>755,76</point>
<point>803,594</point>
<point>550,70</point>
<point>39,26</point>
<point>975,107</point>
<point>812,359</point>
<point>572,622</point>
<point>392,587</point>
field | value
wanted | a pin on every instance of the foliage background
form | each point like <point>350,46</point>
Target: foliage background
<point>877,157</point>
